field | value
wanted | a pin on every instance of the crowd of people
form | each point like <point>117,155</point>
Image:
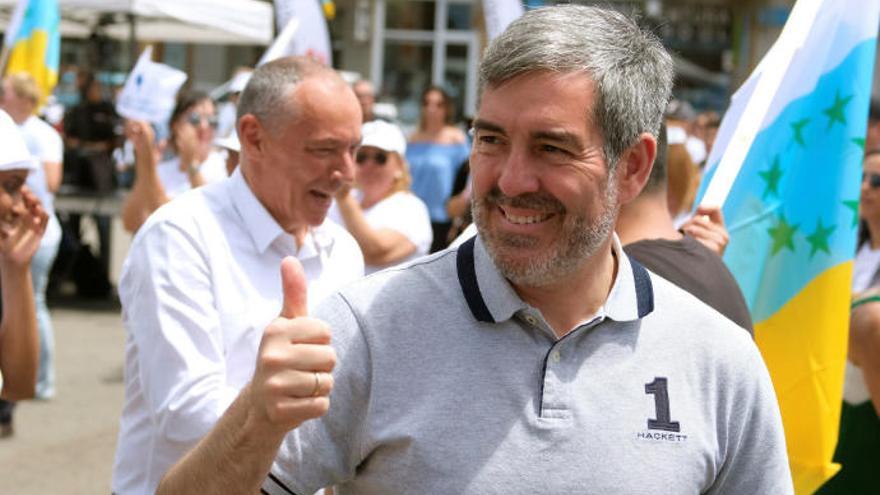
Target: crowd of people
<point>474,304</point>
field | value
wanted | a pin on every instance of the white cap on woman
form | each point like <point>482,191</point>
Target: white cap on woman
<point>385,136</point>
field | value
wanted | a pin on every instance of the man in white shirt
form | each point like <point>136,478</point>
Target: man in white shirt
<point>202,279</point>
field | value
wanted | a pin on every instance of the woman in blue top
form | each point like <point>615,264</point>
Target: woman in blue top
<point>435,152</point>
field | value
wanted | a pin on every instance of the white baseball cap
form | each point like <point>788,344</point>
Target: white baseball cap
<point>14,154</point>
<point>382,135</point>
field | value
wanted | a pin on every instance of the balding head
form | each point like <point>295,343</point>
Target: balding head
<point>267,94</point>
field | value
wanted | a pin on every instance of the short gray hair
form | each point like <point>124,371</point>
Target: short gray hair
<point>266,95</point>
<point>631,70</point>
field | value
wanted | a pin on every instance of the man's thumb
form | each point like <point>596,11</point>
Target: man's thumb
<point>294,287</point>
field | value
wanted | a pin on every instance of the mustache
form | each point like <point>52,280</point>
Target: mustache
<point>541,201</point>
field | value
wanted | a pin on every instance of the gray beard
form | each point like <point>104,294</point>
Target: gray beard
<point>580,240</point>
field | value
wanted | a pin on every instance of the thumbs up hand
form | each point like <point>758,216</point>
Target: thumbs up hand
<point>292,381</point>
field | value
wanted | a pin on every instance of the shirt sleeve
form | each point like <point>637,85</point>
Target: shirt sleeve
<point>169,313</point>
<point>755,457</point>
<point>327,451</point>
<point>51,146</point>
<point>407,214</point>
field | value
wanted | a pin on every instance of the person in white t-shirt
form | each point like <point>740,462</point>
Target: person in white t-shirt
<point>390,223</point>
<point>22,225</point>
<point>195,161</point>
<point>21,96</point>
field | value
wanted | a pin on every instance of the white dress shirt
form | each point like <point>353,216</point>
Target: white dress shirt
<point>201,282</point>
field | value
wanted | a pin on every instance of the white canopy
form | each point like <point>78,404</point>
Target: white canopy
<point>228,22</point>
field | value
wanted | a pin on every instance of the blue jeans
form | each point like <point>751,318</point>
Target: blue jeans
<point>41,265</point>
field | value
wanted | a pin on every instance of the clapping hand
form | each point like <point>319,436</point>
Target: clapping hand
<point>707,226</point>
<point>22,229</point>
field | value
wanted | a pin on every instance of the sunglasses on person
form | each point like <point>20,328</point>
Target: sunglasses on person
<point>379,157</point>
<point>196,119</point>
<point>873,180</point>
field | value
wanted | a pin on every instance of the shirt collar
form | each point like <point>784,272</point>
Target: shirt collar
<point>264,230</point>
<point>491,298</point>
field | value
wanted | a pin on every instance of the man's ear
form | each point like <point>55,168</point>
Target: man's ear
<point>251,136</point>
<point>634,167</point>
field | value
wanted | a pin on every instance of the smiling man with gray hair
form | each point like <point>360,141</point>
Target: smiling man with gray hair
<point>536,357</point>
<point>201,279</point>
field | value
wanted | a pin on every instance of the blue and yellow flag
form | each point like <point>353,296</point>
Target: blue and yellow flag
<point>790,150</point>
<point>329,8</point>
<point>35,47</point>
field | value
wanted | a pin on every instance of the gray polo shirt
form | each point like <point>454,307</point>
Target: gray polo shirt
<point>447,382</point>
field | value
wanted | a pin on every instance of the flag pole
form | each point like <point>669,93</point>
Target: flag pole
<point>11,32</point>
<point>773,69</point>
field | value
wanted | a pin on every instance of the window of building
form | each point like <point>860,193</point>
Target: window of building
<point>417,43</point>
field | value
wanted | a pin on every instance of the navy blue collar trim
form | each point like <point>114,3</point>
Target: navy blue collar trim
<point>644,288</point>
<point>278,484</point>
<point>467,277</point>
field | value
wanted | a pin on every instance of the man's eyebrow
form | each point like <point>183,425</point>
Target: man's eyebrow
<point>484,125</point>
<point>560,136</point>
<point>325,142</point>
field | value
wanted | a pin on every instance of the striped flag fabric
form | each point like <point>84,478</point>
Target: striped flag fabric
<point>35,44</point>
<point>302,30</point>
<point>786,168</point>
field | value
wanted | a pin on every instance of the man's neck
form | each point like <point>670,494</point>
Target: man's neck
<point>568,302</point>
<point>646,217</point>
<point>299,232</point>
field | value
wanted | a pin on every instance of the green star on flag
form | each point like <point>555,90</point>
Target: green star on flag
<point>782,234</point>
<point>854,206</point>
<point>835,111</point>
<point>798,128</point>
<point>819,239</point>
<point>860,142</point>
<point>771,176</point>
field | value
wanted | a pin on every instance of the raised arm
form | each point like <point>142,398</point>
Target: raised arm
<point>864,343</point>
<point>382,246</point>
<point>291,384</point>
<point>19,344</point>
<point>147,194</point>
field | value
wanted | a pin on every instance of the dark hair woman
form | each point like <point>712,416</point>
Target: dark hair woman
<point>435,152</point>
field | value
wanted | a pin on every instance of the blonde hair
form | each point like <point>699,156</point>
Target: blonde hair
<point>24,86</point>
<point>683,179</point>
<point>403,182</point>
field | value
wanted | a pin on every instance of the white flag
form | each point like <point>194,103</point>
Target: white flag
<point>283,45</point>
<point>14,24</point>
<point>150,91</point>
<point>500,13</point>
<point>309,36</point>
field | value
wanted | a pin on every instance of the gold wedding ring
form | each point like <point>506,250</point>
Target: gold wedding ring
<point>317,388</point>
